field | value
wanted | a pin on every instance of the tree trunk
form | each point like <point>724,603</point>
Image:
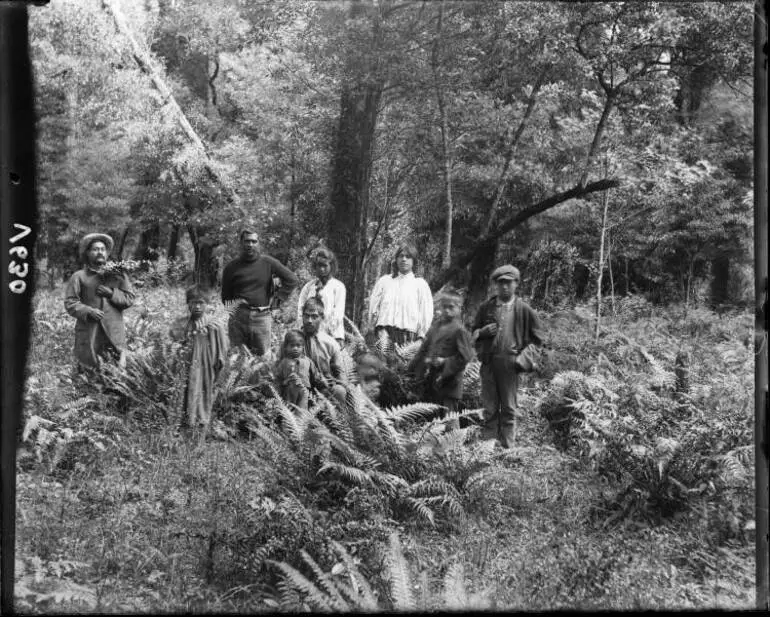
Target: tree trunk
<point>478,280</point>
<point>612,277</point>
<point>720,281</point>
<point>351,175</point>
<point>121,245</point>
<point>148,246</point>
<point>444,120</point>
<point>600,273</point>
<point>173,242</point>
<point>205,267</point>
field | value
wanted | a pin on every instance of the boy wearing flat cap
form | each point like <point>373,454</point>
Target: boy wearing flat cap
<point>206,345</point>
<point>505,326</point>
<point>97,300</point>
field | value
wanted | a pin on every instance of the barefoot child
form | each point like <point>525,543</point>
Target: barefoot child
<point>206,350</point>
<point>504,327</point>
<point>295,372</point>
<point>440,362</point>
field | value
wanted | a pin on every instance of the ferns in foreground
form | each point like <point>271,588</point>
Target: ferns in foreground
<point>345,588</point>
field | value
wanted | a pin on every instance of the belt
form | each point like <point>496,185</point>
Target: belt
<point>252,308</point>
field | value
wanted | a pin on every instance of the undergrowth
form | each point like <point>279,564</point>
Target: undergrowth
<point>374,504</point>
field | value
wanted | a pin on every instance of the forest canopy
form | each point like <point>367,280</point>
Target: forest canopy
<point>529,132</point>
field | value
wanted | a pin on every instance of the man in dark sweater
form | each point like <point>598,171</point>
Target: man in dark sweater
<point>248,280</point>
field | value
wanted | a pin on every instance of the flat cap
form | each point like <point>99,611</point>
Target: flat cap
<point>506,272</point>
<point>89,239</point>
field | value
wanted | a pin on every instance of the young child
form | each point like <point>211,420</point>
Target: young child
<point>295,372</point>
<point>504,327</point>
<point>206,350</point>
<point>440,362</point>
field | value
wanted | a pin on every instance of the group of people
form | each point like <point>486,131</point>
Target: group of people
<point>504,331</point>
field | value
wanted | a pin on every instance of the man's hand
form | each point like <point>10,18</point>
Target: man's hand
<point>104,291</point>
<point>96,314</point>
<point>488,330</point>
<point>276,314</point>
<point>438,362</point>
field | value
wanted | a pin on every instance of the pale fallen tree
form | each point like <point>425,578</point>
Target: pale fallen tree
<point>145,64</point>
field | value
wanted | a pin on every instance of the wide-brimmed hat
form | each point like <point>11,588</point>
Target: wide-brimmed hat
<point>506,272</point>
<point>89,239</point>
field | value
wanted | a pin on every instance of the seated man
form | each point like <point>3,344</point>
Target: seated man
<point>323,350</point>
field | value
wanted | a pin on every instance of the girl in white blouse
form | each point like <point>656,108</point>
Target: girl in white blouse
<point>402,303</point>
<point>331,291</point>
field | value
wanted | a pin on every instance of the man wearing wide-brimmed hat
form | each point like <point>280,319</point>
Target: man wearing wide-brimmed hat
<point>97,300</point>
<point>505,329</point>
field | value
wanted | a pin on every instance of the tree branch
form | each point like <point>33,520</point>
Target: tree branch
<point>506,171</point>
<point>462,260</point>
<point>600,126</point>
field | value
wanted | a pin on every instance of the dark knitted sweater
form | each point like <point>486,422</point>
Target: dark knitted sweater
<point>253,280</point>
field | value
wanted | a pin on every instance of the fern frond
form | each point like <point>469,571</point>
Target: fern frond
<point>314,596</point>
<point>419,507</point>
<point>411,412</point>
<point>337,602</point>
<point>359,592</point>
<point>32,424</point>
<point>346,472</point>
<point>398,575</point>
<point>455,595</point>
<point>408,351</point>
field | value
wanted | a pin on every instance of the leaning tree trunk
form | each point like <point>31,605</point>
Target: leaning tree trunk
<point>143,60</point>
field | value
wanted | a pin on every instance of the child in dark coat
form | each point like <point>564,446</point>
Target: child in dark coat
<point>503,331</point>
<point>442,357</point>
<point>295,372</point>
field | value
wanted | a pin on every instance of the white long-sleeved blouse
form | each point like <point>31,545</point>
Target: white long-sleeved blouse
<point>404,301</point>
<point>333,296</point>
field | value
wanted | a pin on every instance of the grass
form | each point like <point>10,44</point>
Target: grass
<point>128,515</point>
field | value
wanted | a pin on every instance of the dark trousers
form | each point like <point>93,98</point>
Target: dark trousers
<point>499,383</point>
<point>252,329</point>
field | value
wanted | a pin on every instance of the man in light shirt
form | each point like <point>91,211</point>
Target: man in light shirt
<point>402,303</point>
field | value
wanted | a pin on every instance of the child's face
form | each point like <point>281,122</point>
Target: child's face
<point>197,308</point>
<point>294,349</point>
<point>506,288</point>
<point>449,310</point>
<point>322,268</point>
